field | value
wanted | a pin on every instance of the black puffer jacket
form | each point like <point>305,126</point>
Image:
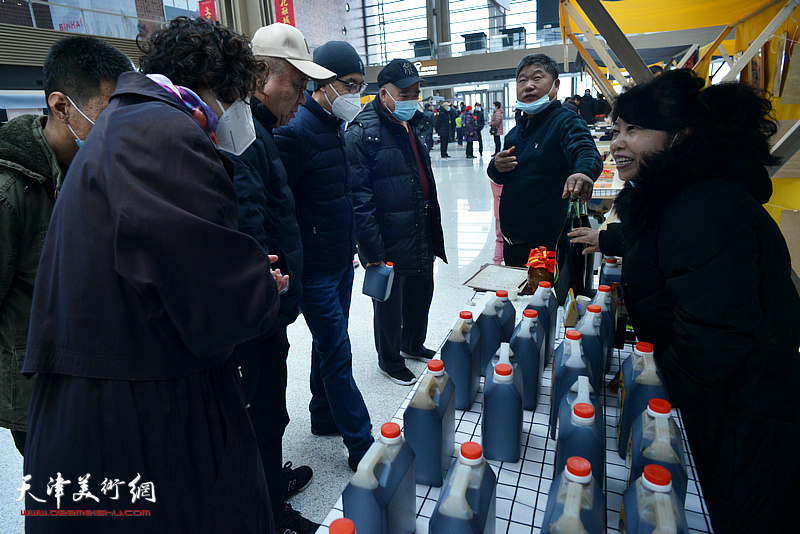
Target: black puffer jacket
<point>313,152</point>
<point>706,274</point>
<point>266,208</point>
<point>391,219</point>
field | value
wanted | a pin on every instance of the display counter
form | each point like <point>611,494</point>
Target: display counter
<point>522,487</point>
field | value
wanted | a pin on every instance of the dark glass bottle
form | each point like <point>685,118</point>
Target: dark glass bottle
<point>570,261</point>
<point>588,284</point>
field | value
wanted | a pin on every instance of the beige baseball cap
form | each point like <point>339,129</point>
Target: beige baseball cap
<point>287,42</point>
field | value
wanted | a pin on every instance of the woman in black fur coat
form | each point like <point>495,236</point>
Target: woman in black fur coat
<point>706,278</point>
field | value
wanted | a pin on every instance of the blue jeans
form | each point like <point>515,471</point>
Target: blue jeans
<point>335,398</point>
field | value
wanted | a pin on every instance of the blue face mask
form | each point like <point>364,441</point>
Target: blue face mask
<point>404,109</point>
<point>532,108</point>
<point>78,140</point>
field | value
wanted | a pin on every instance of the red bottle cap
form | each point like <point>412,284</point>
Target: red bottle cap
<point>390,430</point>
<point>389,264</point>
<point>503,369</point>
<point>574,335</point>
<point>580,467</point>
<point>644,346</point>
<point>657,475</point>
<point>502,293</point>
<point>612,261</point>
<point>465,315</point>
<point>471,450</point>
<point>594,308</point>
<point>583,410</point>
<point>659,406</point>
<point>436,365</point>
<point>342,526</point>
<point>604,288</point>
<point>530,314</point>
<point>545,285</point>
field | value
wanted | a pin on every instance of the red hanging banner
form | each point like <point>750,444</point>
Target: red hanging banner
<point>208,10</point>
<point>284,11</point>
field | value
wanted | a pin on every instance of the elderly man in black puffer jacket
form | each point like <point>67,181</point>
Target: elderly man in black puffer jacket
<point>397,214</point>
<point>313,152</point>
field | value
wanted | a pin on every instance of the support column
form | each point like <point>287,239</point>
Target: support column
<point>438,15</point>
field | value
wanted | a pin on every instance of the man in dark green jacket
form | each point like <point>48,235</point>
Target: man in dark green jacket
<point>548,156</point>
<point>80,73</point>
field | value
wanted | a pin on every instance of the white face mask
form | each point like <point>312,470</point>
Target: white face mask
<point>346,106</point>
<point>80,141</point>
<point>235,132</point>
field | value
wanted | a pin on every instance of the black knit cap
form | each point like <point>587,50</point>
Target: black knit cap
<point>340,57</point>
<point>399,72</point>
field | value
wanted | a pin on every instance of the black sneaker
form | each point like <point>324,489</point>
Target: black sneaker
<point>325,429</point>
<point>289,521</point>
<point>404,377</point>
<point>352,463</point>
<point>426,356</point>
<point>296,479</point>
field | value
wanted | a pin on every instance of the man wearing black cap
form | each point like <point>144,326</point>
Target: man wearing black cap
<point>397,214</point>
<point>313,152</point>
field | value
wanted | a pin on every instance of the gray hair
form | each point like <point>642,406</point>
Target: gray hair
<point>547,63</point>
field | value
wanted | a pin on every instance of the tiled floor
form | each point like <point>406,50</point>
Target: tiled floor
<point>522,487</point>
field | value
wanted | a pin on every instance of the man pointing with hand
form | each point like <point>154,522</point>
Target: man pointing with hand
<point>547,157</point>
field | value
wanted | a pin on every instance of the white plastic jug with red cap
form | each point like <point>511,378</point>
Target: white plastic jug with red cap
<point>429,424</point>
<point>650,505</point>
<point>378,281</point>
<point>656,439</point>
<point>467,502</point>
<point>496,322</point>
<point>581,435</point>
<point>381,496</point>
<point>546,306</point>
<point>568,364</point>
<point>501,420</point>
<point>590,327</point>
<point>611,271</point>
<point>608,314</point>
<point>528,344</point>
<point>342,526</point>
<point>461,354</point>
<point>640,380</point>
<point>576,502</point>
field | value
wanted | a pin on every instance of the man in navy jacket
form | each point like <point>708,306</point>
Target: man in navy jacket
<point>313,151</point>
<point>266,211</point>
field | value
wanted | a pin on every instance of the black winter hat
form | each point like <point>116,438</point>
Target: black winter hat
<point>340,57</point>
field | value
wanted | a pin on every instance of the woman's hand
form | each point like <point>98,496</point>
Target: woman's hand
<point>588,236</point>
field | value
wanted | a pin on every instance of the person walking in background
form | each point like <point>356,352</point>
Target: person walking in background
<point>454,112</point>
<point>398,218</point>
<point>443,127</point>
<point>470,131</point>
<point>313,151</point>
<point>267,212</point>
<point>144,287</point>
<point>548,156</point>
<point>496,126</point>
<point>34,154</point>
<point>480,121</point>
<point>460,128</point>
<point>431,117</point>
<point>569,103</point>
<point>588,107</point>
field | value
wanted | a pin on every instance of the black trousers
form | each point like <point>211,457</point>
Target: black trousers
<point>480,142</point>
<point>517,255</point>
<point>497,145</point>
<point>401,322</point>
<point>264,378</point>
<point>470,149</point>
<point>445,140</point>
<point>19,440</point>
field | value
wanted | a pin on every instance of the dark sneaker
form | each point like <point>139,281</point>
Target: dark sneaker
<point>352,463</point>
<point>325,429</point>
<point>426,356</point>
<point>296,479</point>
<point>404,377</point>
<point>289,521</point>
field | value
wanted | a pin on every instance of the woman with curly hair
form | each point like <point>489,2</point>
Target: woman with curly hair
<point>144,288</point>
<point>706,278</point>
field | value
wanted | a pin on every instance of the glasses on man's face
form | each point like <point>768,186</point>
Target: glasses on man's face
<point>354,88</point>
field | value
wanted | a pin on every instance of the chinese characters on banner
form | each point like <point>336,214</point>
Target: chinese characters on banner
<point>208,10</point>
<point>284,11</point>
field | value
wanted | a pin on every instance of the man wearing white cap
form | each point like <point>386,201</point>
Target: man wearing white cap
<point>267,212</point>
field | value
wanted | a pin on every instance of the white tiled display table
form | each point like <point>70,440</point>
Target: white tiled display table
<point>522,487</point>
